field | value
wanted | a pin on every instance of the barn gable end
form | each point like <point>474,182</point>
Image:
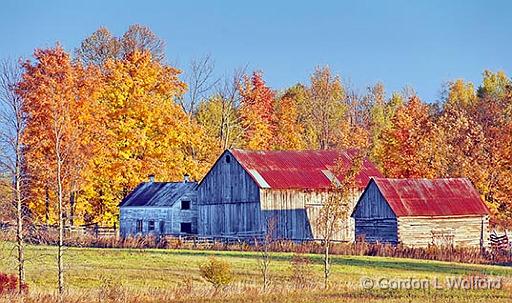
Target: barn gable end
<point>372,204</point>
<point>228,200</point>
<point>374,219</point>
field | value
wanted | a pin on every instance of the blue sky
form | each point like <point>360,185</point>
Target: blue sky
<point>416,43</point>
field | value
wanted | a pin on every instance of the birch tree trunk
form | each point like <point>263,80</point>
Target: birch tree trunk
<point>327,265</point>
<point>19,225</point>
<point>60,260</point>
<point>12,120</point>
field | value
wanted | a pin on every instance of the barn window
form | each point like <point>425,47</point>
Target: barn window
<point>228,159</point>
<point>162,227</point>
<point>139,226</point>
<point>186,227</point>
<point>151,225</point>
<point>185,204</point>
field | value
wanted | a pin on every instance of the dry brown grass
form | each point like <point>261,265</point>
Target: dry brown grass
<point>112,293</point>
<point>48,236</point>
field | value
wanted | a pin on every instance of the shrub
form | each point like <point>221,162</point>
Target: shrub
<point>217,272</point>
<point>9,284</point>
<point>301,272</point>
<point>110,291</point>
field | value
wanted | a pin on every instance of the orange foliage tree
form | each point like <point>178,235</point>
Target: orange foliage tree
<point>58,101</point>
<point>256,112</point>
<point>57,93</point>
<point>405,154</point>
<point>141,131</point>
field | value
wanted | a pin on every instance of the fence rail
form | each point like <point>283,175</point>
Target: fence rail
<point>251,240</point>
<point>87,229</point>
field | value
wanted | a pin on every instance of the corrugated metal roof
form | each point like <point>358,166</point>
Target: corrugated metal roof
<point>431,197</point>
<point>157,193</point>
<point>298,169</point>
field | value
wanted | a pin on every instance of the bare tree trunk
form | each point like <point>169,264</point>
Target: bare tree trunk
<point>47,206</point>
<point>327,265</point>
<point>12,121</point>
<point>19,227</point>
<point>60,261</point>
<point>72,198</point>
<point>266,256</point>
<point>265,266</point>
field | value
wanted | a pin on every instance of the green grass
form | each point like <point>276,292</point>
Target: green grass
<point>89,268</point>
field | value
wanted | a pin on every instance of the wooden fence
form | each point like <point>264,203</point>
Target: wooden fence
<point>93,229</point>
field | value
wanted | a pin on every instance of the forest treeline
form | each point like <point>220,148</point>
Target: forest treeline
<point>95,121</point>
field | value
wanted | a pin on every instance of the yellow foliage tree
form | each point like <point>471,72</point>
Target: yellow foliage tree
<point>142,131</point>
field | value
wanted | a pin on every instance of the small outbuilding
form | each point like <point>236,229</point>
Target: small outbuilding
<point>159,208</point>
<point>422,212</point>
<point>247,192</point>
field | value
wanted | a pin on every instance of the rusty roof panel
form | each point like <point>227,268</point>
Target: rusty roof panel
<point>431,197</point>
<point>299,169</point>
<point>157,193</point>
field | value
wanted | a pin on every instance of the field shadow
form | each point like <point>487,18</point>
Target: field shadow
<point>375,263</point>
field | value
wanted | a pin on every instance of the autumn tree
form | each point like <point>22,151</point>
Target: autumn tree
<point>495,84</point>
<point>101,45</point>
<point>458,138</point>
<point>56,91</point>
<point>264,246</point>
<point>220,120</point>
<point>325,108</point>
<point>353,127</point>
<point>335,209</point>
<point>142,39</point>
<point>288,131</point>
<point>142,131</point>
<point>256,111</point>
<point>201,81</point>
<point>493,115</point>
<point>12,121</point>
<point>381,111</point>
<point>219,114</point>
<point>460,95</point>
<point>406,154</point>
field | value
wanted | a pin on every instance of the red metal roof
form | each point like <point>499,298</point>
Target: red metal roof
<point>435,197</point>
<point>299,169</point>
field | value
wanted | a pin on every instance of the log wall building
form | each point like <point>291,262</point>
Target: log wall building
<point>421,212</point>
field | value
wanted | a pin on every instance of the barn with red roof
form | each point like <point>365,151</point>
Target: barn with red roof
<point>422,212</point>
<point>245,190</point>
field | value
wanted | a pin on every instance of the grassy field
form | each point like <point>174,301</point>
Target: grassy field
<point>151,273</point>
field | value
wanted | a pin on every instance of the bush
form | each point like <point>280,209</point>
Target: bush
<point>301,272</point>
<point>9,284</point>
<point>217,272</point>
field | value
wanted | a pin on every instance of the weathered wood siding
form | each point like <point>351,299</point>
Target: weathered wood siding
<point>374,219</point>
<point>228,200</point>
<point>458,231</point>
<point>295,213</point>
<point>172,216</point>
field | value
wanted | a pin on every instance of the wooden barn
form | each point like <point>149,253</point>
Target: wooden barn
<point>421,212</point>
<point>159,208</point>
<point>245,190</point>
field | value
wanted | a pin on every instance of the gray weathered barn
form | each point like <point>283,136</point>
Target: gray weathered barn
<point>159,208</point>
<point>421,212</point>
<point>245,190</point>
